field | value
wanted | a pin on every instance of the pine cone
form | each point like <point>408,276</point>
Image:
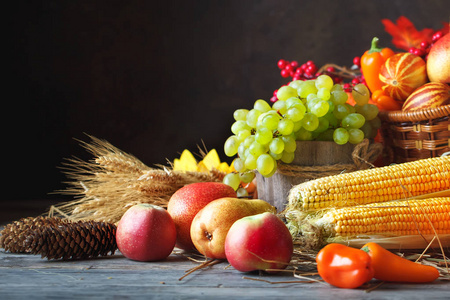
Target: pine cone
<point>14,234</point>
<point>55,238</point>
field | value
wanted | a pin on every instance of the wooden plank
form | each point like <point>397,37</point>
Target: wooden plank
<point>27,276</point>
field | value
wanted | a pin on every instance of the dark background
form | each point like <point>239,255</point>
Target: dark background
<point>156,78</point>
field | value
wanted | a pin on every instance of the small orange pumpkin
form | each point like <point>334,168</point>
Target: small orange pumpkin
<point>401,74</point>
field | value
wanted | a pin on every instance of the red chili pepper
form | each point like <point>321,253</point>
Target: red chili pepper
<point>343,266</point>
<point>371,62</point>
<point>390,267</point>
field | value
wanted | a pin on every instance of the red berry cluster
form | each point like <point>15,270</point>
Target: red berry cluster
<point>293,69</point>
<point>425,46</point>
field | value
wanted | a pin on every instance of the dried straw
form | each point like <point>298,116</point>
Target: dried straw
<point>113,181</point>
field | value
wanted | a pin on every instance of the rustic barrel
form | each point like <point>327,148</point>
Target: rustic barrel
<point>313,159</point>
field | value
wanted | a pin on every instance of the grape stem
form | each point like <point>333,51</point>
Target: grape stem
<point>340,71</point>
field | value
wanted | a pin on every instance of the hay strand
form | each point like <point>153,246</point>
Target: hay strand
<point>113,181</point>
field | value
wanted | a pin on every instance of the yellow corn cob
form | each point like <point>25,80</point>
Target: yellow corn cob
<point>394,218</point>
<point>381,184</point>
<point>399,224</point>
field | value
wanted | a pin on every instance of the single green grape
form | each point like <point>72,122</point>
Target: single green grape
<point>276,156</point>
<point>324,124</point>
<point>295,114</point>
<point>337,87</point>
<point>276,145</point>
<point>231,146</point>
<point>320,108</point>
<point>295,83</point>
<point>270,121</point>
<point>286,92</point>
<point>310,122</point>
<point>355,136</point>
<point>265,164</point>
<point>287,157</point>
<point>285,127</point>
<point>340,111</point>
<point>308,87</point>
<point>338,97</point>
<point>324,94</point>
<point>250,162</point>
<point>241,193</point>
<point>256,149</point>
<point>353,120</point>
<point>303,135</point>
<point>369,111</point>
<point>293,102</point>
<point>361,94</point>
<point>240,114</point>
<point>247,176</point>
<point>261,105</point>
<point>289,143</point>
<point>239,164</point>
<point>243,134</point>
<point>238,126</point>
<point>340,136</point>
<point>252,117</point>
<point>263,136</point>
<point>249,140</point>
<point>232,179</point>
<point>324,81</point>
<point>280,106</point>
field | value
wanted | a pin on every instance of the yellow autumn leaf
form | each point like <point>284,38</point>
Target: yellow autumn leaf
<point>201,167</point>
<point>211,160</point>
<point>224,167</point>
<point>187,162</point>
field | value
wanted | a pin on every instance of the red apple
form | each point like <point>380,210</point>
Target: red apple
<point>438,60</point>
<point>146,233</point>
<point>210,226</point>
<point>259,242</point>
<point>186,202</point>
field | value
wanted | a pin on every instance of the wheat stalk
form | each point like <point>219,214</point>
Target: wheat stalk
<point>113,181</point>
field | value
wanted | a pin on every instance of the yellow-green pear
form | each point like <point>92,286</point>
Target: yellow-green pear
<point>210,225</point>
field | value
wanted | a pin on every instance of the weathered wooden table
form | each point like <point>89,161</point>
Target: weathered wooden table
<point>25,276</point>
<point>28,276</point>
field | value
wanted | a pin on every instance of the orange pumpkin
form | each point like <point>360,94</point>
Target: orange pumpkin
<point>429,95</point>
<point>401,74</point>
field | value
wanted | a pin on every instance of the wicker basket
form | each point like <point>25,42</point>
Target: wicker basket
<point>413,135</point>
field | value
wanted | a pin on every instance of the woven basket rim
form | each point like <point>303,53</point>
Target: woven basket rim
<point>416,115</point>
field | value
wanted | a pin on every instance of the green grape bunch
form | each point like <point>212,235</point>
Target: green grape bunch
<point>315,109</point>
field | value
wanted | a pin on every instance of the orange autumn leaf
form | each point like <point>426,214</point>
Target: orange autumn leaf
<point>404,33</point>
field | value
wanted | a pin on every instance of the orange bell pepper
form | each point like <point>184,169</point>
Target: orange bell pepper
<point>343,266</point>
<point>393,268</point>
<point>385,102</point>
<point>371,62</point>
